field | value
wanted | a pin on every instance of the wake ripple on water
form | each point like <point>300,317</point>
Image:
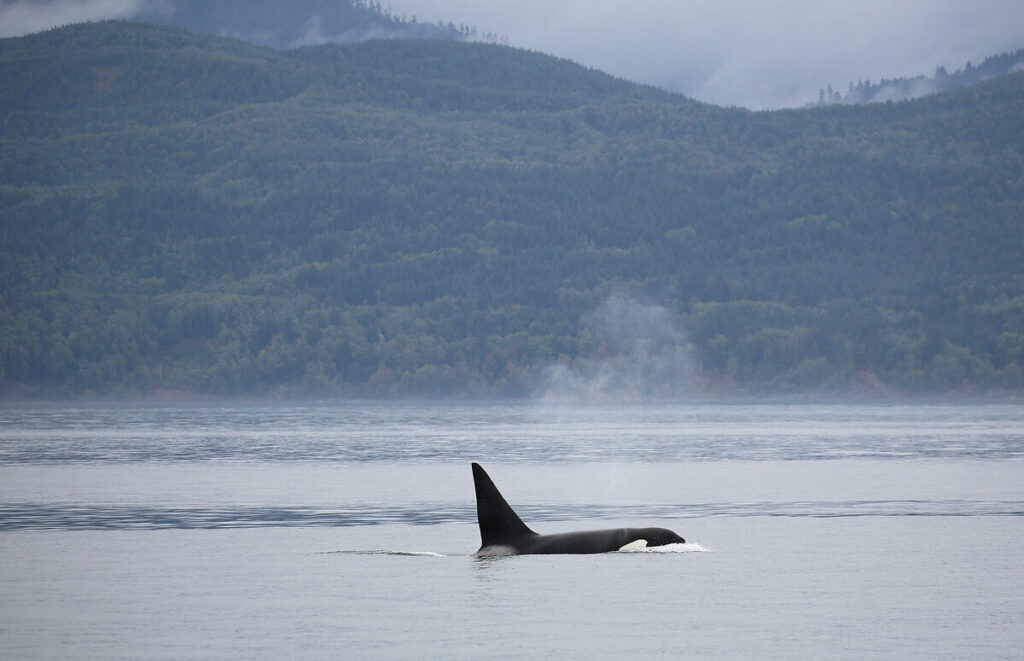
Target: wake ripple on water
<point>87,516</point>
<point>424,554</point>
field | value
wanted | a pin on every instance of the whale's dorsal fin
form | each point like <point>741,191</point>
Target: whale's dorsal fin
<point>499,524</point>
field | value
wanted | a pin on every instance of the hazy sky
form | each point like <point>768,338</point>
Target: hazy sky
<point>759,54</point>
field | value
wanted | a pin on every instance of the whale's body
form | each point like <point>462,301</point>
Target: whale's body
<point>502,532</point>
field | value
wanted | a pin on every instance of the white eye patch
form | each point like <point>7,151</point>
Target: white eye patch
<point>632,546</point>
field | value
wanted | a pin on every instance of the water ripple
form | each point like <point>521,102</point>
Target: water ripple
<point>83,516</point>
<point>506,432</point>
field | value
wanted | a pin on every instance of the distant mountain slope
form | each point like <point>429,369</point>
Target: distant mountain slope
<point>190,213</point>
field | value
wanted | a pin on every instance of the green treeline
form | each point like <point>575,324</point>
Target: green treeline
<point>187,213</point>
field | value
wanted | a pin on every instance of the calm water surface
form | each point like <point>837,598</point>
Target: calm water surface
<point>348,531</point>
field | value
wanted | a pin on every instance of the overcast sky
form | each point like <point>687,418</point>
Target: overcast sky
<point>758,54</point>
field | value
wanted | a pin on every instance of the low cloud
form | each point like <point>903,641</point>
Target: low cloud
<point>768,54</point>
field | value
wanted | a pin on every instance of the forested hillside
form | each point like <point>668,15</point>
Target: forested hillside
<point>188,213</point>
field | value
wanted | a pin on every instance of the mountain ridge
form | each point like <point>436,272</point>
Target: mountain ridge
<point>204,215</point>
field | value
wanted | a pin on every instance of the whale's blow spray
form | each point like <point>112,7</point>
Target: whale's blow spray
<point>639,352</point>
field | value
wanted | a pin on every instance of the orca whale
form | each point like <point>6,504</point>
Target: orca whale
<point>502,532</point>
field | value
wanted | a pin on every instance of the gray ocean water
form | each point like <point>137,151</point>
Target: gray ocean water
<point>348,531</point>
